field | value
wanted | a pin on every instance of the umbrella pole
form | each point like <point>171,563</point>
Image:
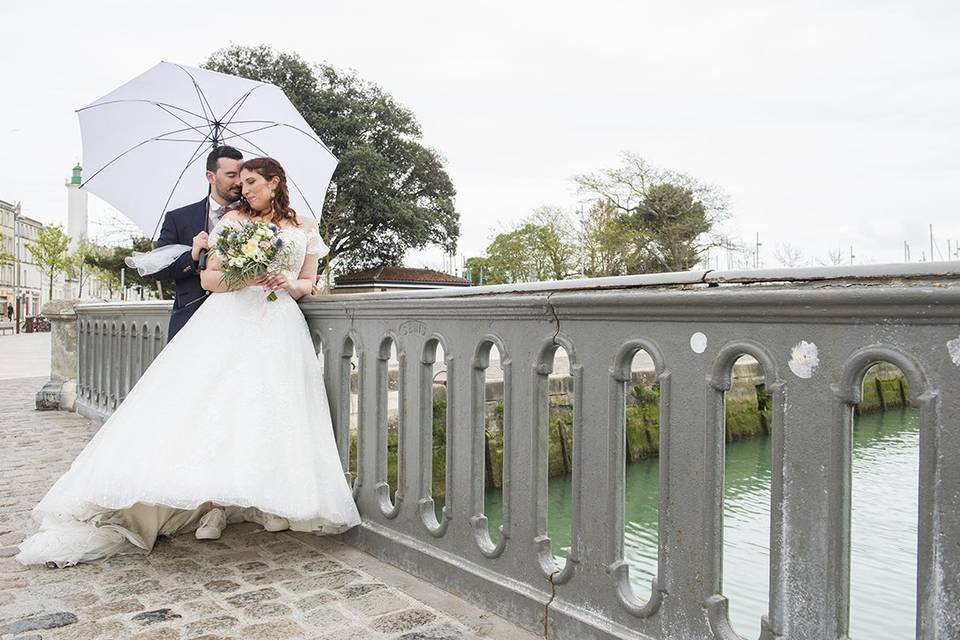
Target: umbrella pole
<point>202,261</point>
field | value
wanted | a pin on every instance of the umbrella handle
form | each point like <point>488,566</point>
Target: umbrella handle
<point>202,262</point>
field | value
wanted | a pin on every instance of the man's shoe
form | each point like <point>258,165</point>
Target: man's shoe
<point>211,524</point>
<point>275,523</point>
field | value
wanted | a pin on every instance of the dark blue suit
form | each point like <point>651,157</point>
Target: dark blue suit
<point>179,227</point>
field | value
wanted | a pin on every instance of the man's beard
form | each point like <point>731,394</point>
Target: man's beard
<point>231,195</point>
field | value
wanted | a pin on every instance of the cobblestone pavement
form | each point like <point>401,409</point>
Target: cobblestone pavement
<point>250,584</point>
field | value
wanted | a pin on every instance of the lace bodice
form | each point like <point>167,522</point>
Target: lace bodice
<point>302,241</point>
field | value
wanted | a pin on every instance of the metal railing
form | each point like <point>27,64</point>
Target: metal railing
<point>815,332</point>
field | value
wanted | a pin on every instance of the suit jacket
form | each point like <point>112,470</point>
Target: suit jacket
<point>179,227</point>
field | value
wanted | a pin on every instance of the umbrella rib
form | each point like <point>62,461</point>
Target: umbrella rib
<point>244,151</point>
<point>153,102</point>
<point>193,141</point>
<point>250,142</point>
<point>200,95</point>
<point>163,106</point>
<point>292,181</point>
<point>313,137</point>
<point>195,128</point>
<point>193,158</point>
<point>305,201</point>
<point>246,133</point>
<point>136,146</point>
<point>238,104</point>
<point>170,133</point>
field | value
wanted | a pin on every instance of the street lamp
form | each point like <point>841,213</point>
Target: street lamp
<point>16,263</point>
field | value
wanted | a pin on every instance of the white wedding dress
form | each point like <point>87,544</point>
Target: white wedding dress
<point>232,411</point>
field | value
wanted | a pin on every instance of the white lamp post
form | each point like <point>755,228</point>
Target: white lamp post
<point>16,263</point>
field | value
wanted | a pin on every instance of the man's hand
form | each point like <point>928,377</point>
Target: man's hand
<point>199,242</point>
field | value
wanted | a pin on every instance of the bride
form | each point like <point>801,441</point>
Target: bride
<point>248,434</point>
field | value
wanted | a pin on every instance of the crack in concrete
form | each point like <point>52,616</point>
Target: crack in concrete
<point>553,312</point>
<point>546,607</point>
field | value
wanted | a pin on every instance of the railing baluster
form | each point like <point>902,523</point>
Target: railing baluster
<point>688,527</point>
<point>83,380</point>
<point>113,370</point>
<point>100,363</point>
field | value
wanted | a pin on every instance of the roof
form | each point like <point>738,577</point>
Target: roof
<point>30,222</point>
<point>400,275</point>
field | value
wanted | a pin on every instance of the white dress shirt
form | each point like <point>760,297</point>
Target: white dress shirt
<point>215,211</point>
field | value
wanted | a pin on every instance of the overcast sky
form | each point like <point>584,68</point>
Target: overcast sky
<point>829,124</point>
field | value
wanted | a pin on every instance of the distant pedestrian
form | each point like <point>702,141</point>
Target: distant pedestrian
<point>9,312</point>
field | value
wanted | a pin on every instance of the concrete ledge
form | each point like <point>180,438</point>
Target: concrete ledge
<point>57,395</point>
<point>95,415</point>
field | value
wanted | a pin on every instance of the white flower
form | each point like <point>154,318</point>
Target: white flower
<point>804,359</point>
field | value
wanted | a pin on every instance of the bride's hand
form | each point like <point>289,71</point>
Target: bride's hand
<point>275,281</point>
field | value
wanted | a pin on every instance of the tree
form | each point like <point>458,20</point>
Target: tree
<point>833,258</point>
<point>49,251</point>
<point>79,268</point>
<point>669,217</point>
<point>606,241</point>
<point>5,256</point>
<point>108,262</point>
<point>509,258</point>
<point>389,193</point>
<point>476,270</point>
<point>788,255</point>
<point>541,247</point>
<point>554,243</point>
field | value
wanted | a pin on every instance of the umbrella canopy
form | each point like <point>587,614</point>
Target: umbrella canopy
<point>145,144</point>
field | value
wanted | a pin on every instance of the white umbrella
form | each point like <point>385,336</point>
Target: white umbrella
<point>145,144</point>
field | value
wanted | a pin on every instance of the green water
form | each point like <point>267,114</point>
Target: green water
<point>883,520</point>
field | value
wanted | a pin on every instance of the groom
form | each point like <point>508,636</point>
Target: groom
<point>190,225</point>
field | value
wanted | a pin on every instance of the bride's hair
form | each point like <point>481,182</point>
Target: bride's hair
<point>270,169</point>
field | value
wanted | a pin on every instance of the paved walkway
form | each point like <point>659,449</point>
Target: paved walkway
<point>26,355</point>
<point>248,585</point>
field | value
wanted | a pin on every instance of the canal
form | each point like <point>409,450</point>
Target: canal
<point>883,526</point>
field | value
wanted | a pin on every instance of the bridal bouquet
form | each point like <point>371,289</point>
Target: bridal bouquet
<point>249,250</point>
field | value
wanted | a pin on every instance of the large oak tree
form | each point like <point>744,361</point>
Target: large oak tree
<point>390,192</point>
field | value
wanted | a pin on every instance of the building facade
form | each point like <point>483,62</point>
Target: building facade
<point>31,285</point>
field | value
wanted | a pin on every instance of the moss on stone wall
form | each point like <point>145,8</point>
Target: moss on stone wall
<point>747,416</point>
